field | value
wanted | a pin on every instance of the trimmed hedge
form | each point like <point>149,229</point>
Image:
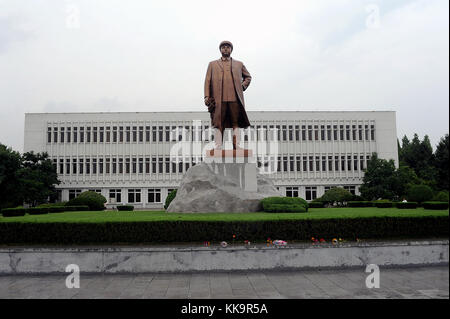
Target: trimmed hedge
<point>406,205</point>
<point>200,231</point>
<point>37,210</point>
<point>316,204</point>
<point>435,205</point>
<point>57,209</point>
<point>284,205</point>
<point>383,204</point>
<point>82,208</point>
<point>360,204</point>
<point>125,207</point>
<point>92,199</point>
<point>12,212</point>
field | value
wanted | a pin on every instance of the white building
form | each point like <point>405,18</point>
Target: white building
<point>126,156</point>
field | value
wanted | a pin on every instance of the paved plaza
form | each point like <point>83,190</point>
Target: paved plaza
<point>395,283</point>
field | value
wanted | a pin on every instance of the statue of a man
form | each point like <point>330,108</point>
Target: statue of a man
<point>226,80</point>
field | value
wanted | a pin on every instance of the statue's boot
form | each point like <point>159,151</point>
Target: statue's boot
<point>218,140</point>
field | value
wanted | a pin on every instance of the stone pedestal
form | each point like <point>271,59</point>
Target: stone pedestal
<point>226,181</point>
<point>237,165</point>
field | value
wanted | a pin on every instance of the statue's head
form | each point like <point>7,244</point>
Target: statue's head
<point>226,47</point>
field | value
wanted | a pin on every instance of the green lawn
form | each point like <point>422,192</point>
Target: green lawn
<point>136,216</point>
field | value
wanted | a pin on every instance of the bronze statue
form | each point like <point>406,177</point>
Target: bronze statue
<point>226,80</point>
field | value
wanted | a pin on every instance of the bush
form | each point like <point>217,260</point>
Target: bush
<point>336,195</point>
<point>284,204</point>
<point>360,204</point>
<point>383,204</point>
<point>125,207</point>
<point>420,193</point>
<point>441,197</point>
<point>80,208</point>
<point>316,204</point>
<point>92,199</point>
<point>199,231</point>
<point>37,210</point>
<point>12,212</point>
<point>406,205</point>
<point>57,209</point>
<point>435,205</point>
<point>170,198</point>
<point>53,204</point>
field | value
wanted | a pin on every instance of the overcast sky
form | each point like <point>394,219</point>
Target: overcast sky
<point>127,56</point>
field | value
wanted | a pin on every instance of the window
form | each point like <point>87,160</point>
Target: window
<point>311,164</point>
<point>154,195</point>
<point>69,134</point>
<point>342,132</point>
<point>114,165</point>
<point>361,163</point>
<point>316,132</point>
<point>279,164</point>
<point>311,193</point>
<point>121,134</point>
<point>305,164</point>
<point>100,166</point>
<point>55,135</point>
<point>298,163</point>
<point>127,165</point>
<point>160,165</point>
<point>94,166</point>
<point>347,132</point>
<point>120,165</point>
<point>324,163</point>
<point>322,132</point>
<point>167,162</point>
<point>336,163</point>
<point>297,133</point>
<point>372,132</point>
<point>141,134</point>
<point>147,133</point>
<point>88,166</point>
<point>49,135</point>
<point>154,133</point>
<point>360,132</point>
<point>154,165</point>
<point>310,132</point>
<point>147,165</point>
<point>284,132</point>
<point>108,134</point>
<point>134,196</point>
<point>160,133</point>
<point>114,139</point>
<point>73,193</point>
<point>291,133</point>
<point>330,163</point>
<point>285,164</point>
<point>88,135</point>
<point>108,166</point>
<point>61,166</point>
<point>128,134</point>
<point>134,133</point>
<point>291,191</point>
<point>355,162</point>
<point>115,196</point>
<point>303,133</point>
<point>335,132</point>
<point>102,134</point>
<point>74,166</point>
<point>354,132</point>
<point>317,163</point>
<point>134,165</point>
<point>291,163</point>
<point>75,134</point>
<point>329,132</point>
<point>81,134</point>
<point>141,165</point>
<point>349,163</point>
<point>67,166</point>
<point>366,132</point>
<point>95,135</point>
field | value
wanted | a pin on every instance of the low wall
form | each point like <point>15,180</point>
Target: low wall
<point>16,260</point>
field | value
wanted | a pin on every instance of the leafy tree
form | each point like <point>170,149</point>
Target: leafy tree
<point>441,163</point>
<point>10,163</point>
<point>37,178</point>
<point>377,181</point>
<point>402,180</point>
<point>92,199</point>
<point>420,193</point>
<point>336,195</point>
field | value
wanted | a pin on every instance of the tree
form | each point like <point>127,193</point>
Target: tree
<point>10,163</point>
<point>29,178</point>
<point>377,181</point>
<point>441,163</point>
<point>37,178</point>
<point>336,195</point>
<point>402,180</point>
<point>420,193</point>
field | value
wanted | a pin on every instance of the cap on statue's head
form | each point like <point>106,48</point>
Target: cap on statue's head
<point>226,42</point>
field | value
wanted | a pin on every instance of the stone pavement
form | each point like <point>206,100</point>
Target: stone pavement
<point>395,283</point>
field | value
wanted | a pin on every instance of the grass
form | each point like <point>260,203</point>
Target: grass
<point>149,216</point>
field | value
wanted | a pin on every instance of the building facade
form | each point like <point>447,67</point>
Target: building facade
<point>138,158</point>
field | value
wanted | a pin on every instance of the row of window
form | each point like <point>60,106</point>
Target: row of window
<point>159,165</point>
<point>134,195</point>
<point>311,191</point>
<point>134,134</point>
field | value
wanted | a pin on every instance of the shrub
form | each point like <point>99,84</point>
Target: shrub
<point>316,204</point>
<point>57,209</point>
<point>62,233</point>
<point>170,198</point>
<point>125,207</point>
<point>383,204</point>
<point>12,212</point>
<point>336,195</point>
<point>420,193</point>
<point>79,208</point>
<point>92,199</point>
<point>360,204</point>
<point>53,204</point>
<point>435,205</point>
<point>284,204</point>
<point>407,205</point>
<point>37,210</point>
<point>441,197</point>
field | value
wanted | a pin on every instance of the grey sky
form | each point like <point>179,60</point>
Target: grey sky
<point>111,55</point>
